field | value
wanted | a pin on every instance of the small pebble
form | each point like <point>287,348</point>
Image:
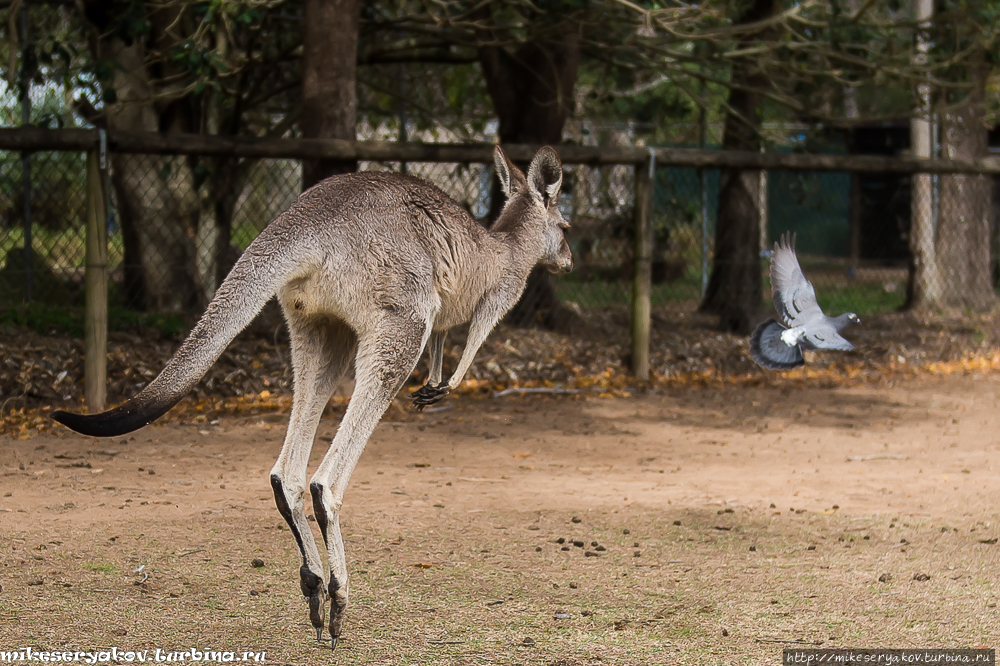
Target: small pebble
<point>561,616</point>
<point>560,540</point>
<point>625,531</point>
<point>578,544</point>
<point>600,549</point>
<point>538,549</point>
<point>257,563</point>
<point>636,554</point>
<point>576,520</point>
<point>677,522</point>
<point>885,578</point>
<point>725,632</point>
<point>811,548</point>
<point>591,554</point>
<point>753,549</point>
<point>593,543</point>
<point>572,586</point>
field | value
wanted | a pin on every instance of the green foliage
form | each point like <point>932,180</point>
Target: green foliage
<point>45,318</point>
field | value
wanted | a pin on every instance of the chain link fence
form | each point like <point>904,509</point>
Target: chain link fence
<point>177,223</point>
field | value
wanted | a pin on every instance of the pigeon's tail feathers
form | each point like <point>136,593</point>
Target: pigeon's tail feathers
<point>769,351</point>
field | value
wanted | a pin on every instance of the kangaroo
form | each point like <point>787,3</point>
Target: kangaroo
<point>366,267</point>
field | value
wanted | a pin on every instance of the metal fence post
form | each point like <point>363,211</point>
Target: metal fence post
<point>95,326</point>
<point>642,272</point>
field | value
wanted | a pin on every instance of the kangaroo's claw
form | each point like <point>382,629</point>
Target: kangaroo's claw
<point>315,594</point>
<point>428,395</point>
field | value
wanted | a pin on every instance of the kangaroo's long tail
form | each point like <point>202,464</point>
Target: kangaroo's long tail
<point>266,265</point>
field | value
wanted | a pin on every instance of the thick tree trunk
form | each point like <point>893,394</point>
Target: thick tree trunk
<point>532,93</point>
<point>965,214</point>
<point>957,247</point>
<point>156,196</point>
<point>329,87</point>
<point>735,288</point>
<point>924,288</point>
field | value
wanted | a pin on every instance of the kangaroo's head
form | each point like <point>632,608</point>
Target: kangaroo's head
<point>539,203</point>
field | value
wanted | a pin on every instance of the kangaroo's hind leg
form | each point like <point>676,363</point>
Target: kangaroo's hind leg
<point>321,353</point>
<point>386,356</point>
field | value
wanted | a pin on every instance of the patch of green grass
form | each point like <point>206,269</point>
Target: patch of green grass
<point>599,294</point>
<point>860,299</point>
<point>105,567</point>
<point>45,318</point>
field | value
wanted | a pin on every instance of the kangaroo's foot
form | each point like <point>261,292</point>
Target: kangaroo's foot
<point>315,594</point>
<point>428,395</point>
<point>338,610</point>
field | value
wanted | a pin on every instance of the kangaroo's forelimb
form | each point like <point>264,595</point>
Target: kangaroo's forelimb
<point>493,306</point>
<point>432,392</point>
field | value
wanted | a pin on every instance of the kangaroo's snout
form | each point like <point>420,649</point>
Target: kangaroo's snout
<point>563,261</point>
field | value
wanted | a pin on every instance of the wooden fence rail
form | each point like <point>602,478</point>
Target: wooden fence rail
<point>34,139</point>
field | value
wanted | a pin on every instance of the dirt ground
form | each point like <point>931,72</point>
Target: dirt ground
<point>716,526</point>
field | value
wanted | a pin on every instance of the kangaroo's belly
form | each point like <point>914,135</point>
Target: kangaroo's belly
<point>454,312</point>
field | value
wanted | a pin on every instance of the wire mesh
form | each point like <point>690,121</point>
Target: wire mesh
<point>868,242</point>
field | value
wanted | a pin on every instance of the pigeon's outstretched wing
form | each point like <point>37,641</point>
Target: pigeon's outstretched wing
<point>770,351</point>
<point>793,295</point>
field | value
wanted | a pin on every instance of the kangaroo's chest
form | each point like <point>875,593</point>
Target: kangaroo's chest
<point>457,308</point>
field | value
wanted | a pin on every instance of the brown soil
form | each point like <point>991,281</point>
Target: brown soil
<point>735,522</point>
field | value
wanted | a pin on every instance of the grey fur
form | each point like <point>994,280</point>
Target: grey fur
<point>367,267</point>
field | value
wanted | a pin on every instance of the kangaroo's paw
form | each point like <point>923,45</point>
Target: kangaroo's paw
<point>338,610</point>
<point>315,594</point>
<point>428,395</point>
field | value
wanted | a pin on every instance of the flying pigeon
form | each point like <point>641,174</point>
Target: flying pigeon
<point>778,345</point>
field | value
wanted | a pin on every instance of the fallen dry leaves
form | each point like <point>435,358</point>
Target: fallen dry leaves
<point>41,373</point>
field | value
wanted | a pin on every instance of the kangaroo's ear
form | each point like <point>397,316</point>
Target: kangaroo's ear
<point>503,169</point>
<point>545,175</point>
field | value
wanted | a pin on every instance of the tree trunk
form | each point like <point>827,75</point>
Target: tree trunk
<point>329,85</point>
<point>965,213</point>
<point>156,196</point>
<point>735,288</point>
<point>952,257</point>
<point>532,93</point>
<point>924,289</point>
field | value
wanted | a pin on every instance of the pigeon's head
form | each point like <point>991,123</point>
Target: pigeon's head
<point>841,322</point>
